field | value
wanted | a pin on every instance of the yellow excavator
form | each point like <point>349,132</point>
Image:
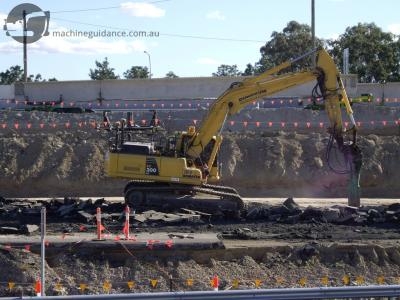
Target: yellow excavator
<point>181,170</point>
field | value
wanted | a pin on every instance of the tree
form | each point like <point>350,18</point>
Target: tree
<point>227,70</point>
<point>103,71</point>
<point>137,72</point>
<point>171,74</point>
<point>16,74</point>
<point>35,78</point>
<point>13,74</point>
<point>374,54</point>
<point>249,71</point>
<point>293,41</point>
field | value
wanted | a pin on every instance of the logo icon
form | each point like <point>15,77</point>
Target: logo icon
<point>27,19</point>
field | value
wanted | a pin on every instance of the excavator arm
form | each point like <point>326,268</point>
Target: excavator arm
<point>241,94</point>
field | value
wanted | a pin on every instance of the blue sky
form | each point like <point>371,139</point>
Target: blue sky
<point>246,24</point>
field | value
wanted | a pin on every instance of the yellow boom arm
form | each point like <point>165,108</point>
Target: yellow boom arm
<point>241,94</point>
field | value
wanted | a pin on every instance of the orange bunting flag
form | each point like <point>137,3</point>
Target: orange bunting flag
<point>380,280</point>
<point>346,279</point>
<point>280,280</point>
<point>360,280</point>
<point>58,287</point>
<point>107,286</point>
<point>302,281</point>
<point>325,280</point>
<point>82,287</point>
<point>257,282</point>
<point>130,284</point>
<point>235,283</point>
<point>153,283</point>
<point>189,282</point>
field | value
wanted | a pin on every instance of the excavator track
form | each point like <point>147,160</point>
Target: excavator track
<point>211,199</point>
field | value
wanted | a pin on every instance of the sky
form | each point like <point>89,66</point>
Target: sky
<point>190,37</point>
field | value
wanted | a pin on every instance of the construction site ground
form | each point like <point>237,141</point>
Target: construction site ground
<point>185,254</point>
<point>304,236</point>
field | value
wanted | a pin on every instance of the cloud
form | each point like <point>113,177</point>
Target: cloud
<point>142,9</point>
<point>394,28</point>
<point>3,17</point>
<point>215,15</point>
<point>76,46</point>
<point>10,47</point>
<point>207,61</point>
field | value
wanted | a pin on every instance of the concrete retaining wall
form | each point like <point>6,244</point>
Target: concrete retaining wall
<point>7,91</point>
<point>380,90</point>
<point>159,88</point>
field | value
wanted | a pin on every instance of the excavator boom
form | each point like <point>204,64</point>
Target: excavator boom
<point>186,163</point>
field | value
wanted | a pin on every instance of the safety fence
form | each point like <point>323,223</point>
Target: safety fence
<point>244,124</point>
<point>172,104</point>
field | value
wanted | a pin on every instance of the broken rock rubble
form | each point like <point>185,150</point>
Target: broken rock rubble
<point>290,212</point>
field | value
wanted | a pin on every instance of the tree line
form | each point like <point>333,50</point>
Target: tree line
<point>374,55</point>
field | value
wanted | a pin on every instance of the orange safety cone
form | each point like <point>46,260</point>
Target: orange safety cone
<point>38,287</point>
<point>215,282</point>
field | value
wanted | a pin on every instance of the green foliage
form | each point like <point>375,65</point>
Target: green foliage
<point>249,71</point>
<point>13,74</point>
<point>103,71</point>
<point>137,72</point>
<point>293,41</point>
<point>37,78</point>
<point>227,70</point>
<point>16,74</point>
<point>171,74</point>
<point>374,54</point>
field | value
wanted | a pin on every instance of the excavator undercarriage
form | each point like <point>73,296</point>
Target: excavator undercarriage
<point>211,199</point>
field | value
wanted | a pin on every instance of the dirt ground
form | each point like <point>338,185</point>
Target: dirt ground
<point>58,163</point>
<point>268,255</point>
<point>69,162</point>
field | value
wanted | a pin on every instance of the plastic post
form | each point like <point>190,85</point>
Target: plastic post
<point>126,227</point>
<point>98,219</point>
